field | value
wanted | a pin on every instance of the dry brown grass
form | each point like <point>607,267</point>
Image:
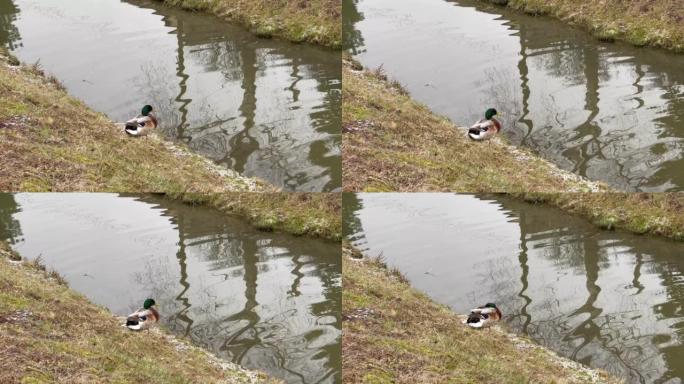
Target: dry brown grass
<point>313,21</point>
<point>658,23</point>
<point>394,334</point>
<point>50,141</point>
<point>51,334</point>
<point>392,143</point>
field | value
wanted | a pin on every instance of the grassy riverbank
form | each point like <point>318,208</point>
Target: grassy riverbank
<point>657,23</point>
<point>392,143</point>
<point>301,214</point>
<point>657,214</point>
<point>394,334</point>
<point>313,21</point>
<point>49,141</point>
<point>53,334</point>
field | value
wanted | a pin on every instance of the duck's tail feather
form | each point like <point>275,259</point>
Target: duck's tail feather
<point>136,327</point>
<point>475,320</point>
<point>475,134</point>
<point>134,323</point>
<point>132,130</point>
<point>478,134</point>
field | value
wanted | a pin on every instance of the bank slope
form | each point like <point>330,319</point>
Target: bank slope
<point>50,333</point>
<point>312,21</point>
<point>49,141</point>
<point>394,334</point>
<point>299,214</point>
<point>656,23</point>
<point>655,214</point>
<point>392,143</point>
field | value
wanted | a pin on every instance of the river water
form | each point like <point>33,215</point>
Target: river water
<point>266,301</point>
<point>610,300</point>
<point>267,108</point>
<point>610,112</point>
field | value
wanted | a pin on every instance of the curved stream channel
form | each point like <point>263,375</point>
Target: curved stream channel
<point>607,299</point>
<point>610,112</point>
<point>266,301</point>
<point>266,108</point>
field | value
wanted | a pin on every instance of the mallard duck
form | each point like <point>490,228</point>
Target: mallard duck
<point>484,316</point>
<point>486,128</point>
<point>144,317</point>
<point>143,124</point>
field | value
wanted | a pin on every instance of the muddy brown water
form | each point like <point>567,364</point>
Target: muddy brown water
<point>610,112</point>
<point>610,300</point>
<point>266,301</point>
<point>267,108</point>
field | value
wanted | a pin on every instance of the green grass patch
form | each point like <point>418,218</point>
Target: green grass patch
<point>299,214</point>
<point>312,21</point>
<point>656,214</point>
<point>656,23</point>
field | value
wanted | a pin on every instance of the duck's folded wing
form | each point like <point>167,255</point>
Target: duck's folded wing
<point>138,314</point>
<point>134,120</point>
<point>137,122</point>
<point>483,310</point>
<point>488,311</point>
<point>132,124</point>
<point>482,125</point>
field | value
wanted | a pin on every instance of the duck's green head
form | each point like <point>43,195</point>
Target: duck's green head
<point>148,303</point>
<point>490,305</point>
<point>491,112</point>
<point>146,110</point>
